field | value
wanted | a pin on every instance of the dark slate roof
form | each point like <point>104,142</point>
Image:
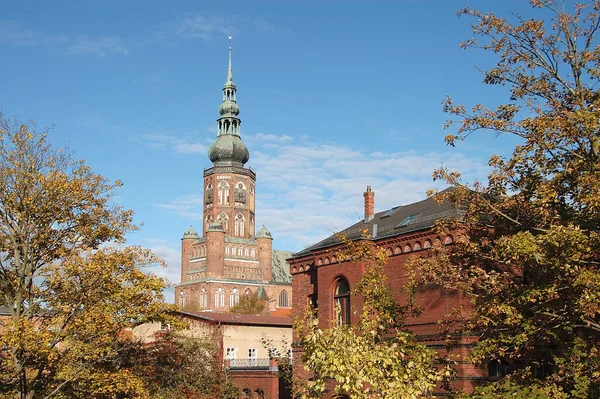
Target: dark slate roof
<point>280,270</point>
<point>4,311</point>
<point>392,222</point>
<point>245,319</point>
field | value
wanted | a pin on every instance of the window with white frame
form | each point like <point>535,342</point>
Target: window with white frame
<point>234,297</point>
<point>203,298</point>
<point>223,193</point>
<point>252,356</point>
<point>220,298</point>
<point>231,353</point>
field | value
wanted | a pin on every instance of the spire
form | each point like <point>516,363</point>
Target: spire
<point>229,71</point>
<point>228,149</point>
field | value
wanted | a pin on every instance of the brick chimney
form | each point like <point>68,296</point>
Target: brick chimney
<point>369,204</point>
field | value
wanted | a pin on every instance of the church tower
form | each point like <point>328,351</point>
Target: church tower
<point>228,185</point>
<point>227,259</point>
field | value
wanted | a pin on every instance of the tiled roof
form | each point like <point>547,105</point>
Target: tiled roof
<point>392,222</point>
<point>233,318</point>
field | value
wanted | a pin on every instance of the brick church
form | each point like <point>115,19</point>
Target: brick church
<point>228,259</point>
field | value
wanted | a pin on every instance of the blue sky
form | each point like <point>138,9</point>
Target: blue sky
<point>334,96</point>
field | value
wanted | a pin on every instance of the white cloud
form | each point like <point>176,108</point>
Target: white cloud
<point>306,191</point>
<point>172,257</point>
<point>177,144</point>
<point>14,34</point>
<point>202,27</point>
<point>100,46</point>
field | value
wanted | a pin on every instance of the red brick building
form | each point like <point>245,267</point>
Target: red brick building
<point>319,279</point>
<point>228,260</point>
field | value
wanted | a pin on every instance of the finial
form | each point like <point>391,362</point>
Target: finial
<point>229,72</point>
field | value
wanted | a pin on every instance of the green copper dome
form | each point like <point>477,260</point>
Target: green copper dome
<point>263,233</point>
<point>190,233</point>
<point>229,108</point>
<point>227,150</point>
<point>215,226</point>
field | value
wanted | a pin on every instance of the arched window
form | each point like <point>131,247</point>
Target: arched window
<point>260,394</point>
<point>240,194</point>
<point>246,252</point>
<point>341,299</point>
<point>407,248</point>
<point>248,292</point>
<point>252,253</point>
<point>283,299</point>
<point>203,298</point>
<point>239,225</point>
<point>223,193</point>
<point>208,195</point>
<point>448,240</point>
<point>234,297</point>
<point>227,249</point>
<point>220,298</point>
<point>224,220</point>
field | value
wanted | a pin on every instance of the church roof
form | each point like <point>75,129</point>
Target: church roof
<point>281,268</point>
<point>395,221</point>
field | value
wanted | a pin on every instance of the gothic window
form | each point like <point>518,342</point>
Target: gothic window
<point>219,298</point>
<point>224,220</point>
<point>448,240</point>
<point>208,196</point>
<point>223,193</point>
<point>252,253</point>
<point>227,249</point>
<point>248,292</point>
<point>240,193</point>
<point>283,299</point>
<point>246,252</point>
<point>203,298</point>
<point>341,298</point>
<point>181,300</point>
<point>234,297</point>
<point>239,225</point>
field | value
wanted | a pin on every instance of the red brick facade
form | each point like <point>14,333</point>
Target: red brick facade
<point>315,273</point>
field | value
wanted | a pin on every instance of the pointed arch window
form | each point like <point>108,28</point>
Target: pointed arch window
<point>341,298</point>
<point>208,195</point>
<point>248,292</point>
<point>239,225</point>
<point>227,249</point>
<point>219,298</point>
<point>234,297</point>
<point>224,220</point>
<point>283,299</point>
<point>203,298</point>
<point>240,194</point>
<point>223,193</point>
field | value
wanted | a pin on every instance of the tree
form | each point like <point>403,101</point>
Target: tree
<point>375,358</point>
<point>250,304</point>
<point>529,251</point>
<point>176,366</point>
<point>72,287</point>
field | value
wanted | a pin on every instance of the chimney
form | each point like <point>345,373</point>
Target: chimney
<point>369,204</point>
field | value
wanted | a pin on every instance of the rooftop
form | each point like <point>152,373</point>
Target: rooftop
<point>243,319</point>
<point>395,221</point>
